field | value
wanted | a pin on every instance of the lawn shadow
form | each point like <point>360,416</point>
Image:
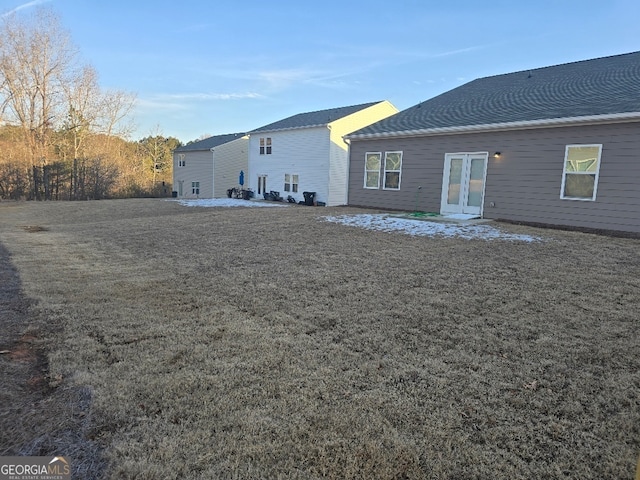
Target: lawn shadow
<point>39,415</point>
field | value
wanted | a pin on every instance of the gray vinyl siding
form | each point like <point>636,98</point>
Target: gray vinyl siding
<point>524,184</point>
<point>199,168</point>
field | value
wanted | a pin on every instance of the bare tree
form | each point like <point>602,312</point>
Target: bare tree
<point>115,108</point>
<point>57,105</point>
<point>80,94</point>
<point>92,111</point>
<point>35,59</point>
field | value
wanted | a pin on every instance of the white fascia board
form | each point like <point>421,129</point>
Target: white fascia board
<point>491,127</point>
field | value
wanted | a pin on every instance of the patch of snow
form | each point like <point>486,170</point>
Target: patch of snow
<point>461,216</point>
<point>386,223</point>
<point>225,202</point>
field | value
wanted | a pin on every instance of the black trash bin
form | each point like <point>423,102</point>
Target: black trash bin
<point>174,194</point>
<point>275,196</point>
<point>309,198</point>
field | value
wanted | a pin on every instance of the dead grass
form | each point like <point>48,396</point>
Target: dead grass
<point>264,343</point>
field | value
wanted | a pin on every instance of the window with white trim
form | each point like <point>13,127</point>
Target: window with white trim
<point>290,183</point>
<point>392,170</point>
<point>265,145</point>
<point>372,169</point>
<point>182,162</point>
<point>195,188</point>
<point>580,172</point>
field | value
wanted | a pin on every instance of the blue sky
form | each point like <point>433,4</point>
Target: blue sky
<point>214,67</point>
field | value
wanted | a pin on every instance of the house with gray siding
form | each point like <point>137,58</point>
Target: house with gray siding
<point>307,152</point>
<point>209,167</point>
<point>556,145</point>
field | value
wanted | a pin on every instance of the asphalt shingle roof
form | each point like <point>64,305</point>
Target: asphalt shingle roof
<point>600,86</point>
<point>313,119</point>
<point>209,143</point>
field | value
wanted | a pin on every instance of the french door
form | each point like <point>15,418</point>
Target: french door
<point>463,183</point>
<point>262,184</point>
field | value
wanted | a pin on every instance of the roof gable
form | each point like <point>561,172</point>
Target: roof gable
<point>210,142</point>
<point>313,119</point>
<point>602,86</point>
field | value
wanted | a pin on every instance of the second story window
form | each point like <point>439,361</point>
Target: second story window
<point>265,145</point>
<point>182,162</point>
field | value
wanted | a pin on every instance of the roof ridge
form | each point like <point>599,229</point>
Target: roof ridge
<point>574,62</point>
<point>337,108</point>
<point>314,118</point>
<point>211,141</point>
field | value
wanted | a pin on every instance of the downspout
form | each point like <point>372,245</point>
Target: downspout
<point>330,165</point>
<point>213,172</point>
<point>348,142</point>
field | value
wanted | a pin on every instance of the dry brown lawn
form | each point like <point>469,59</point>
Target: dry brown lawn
<point>143,339</point>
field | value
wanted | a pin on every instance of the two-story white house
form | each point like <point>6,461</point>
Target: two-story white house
<point>208,168</point>
<point>307,152</point>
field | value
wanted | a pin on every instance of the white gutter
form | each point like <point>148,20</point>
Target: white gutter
<point>522,125</point>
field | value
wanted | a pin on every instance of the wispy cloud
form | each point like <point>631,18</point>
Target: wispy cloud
<point>184,101</point>
<point>263,74</point>
<point>457,52</point>
<point>377,56</point>
<point>284,78</point>
<point>279,79</point>
<point>347,65</point>
<point>209,96</point>
<point>33,3</point>
<point>338,77</point>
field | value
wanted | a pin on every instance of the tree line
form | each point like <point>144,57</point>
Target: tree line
<point>62,137</point>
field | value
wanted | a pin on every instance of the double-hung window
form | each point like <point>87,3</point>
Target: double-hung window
<point>265,145</point>
<point>181,162</point>
<point>392,170</point>
<point>195,188</point>
<point>372,169</point>
<point>290,183</point>
<point>580,172</point>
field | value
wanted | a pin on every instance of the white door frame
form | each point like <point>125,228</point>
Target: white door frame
<point>262,184</point>
<point>461,205</point>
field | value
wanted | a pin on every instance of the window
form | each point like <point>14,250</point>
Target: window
<point>265,145</point>
<point>580,172</point>
<point>182,162</point>
<point>195,188</point>
<point>372,170</point>
<point>290,183</point>
<point>392,169</point>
